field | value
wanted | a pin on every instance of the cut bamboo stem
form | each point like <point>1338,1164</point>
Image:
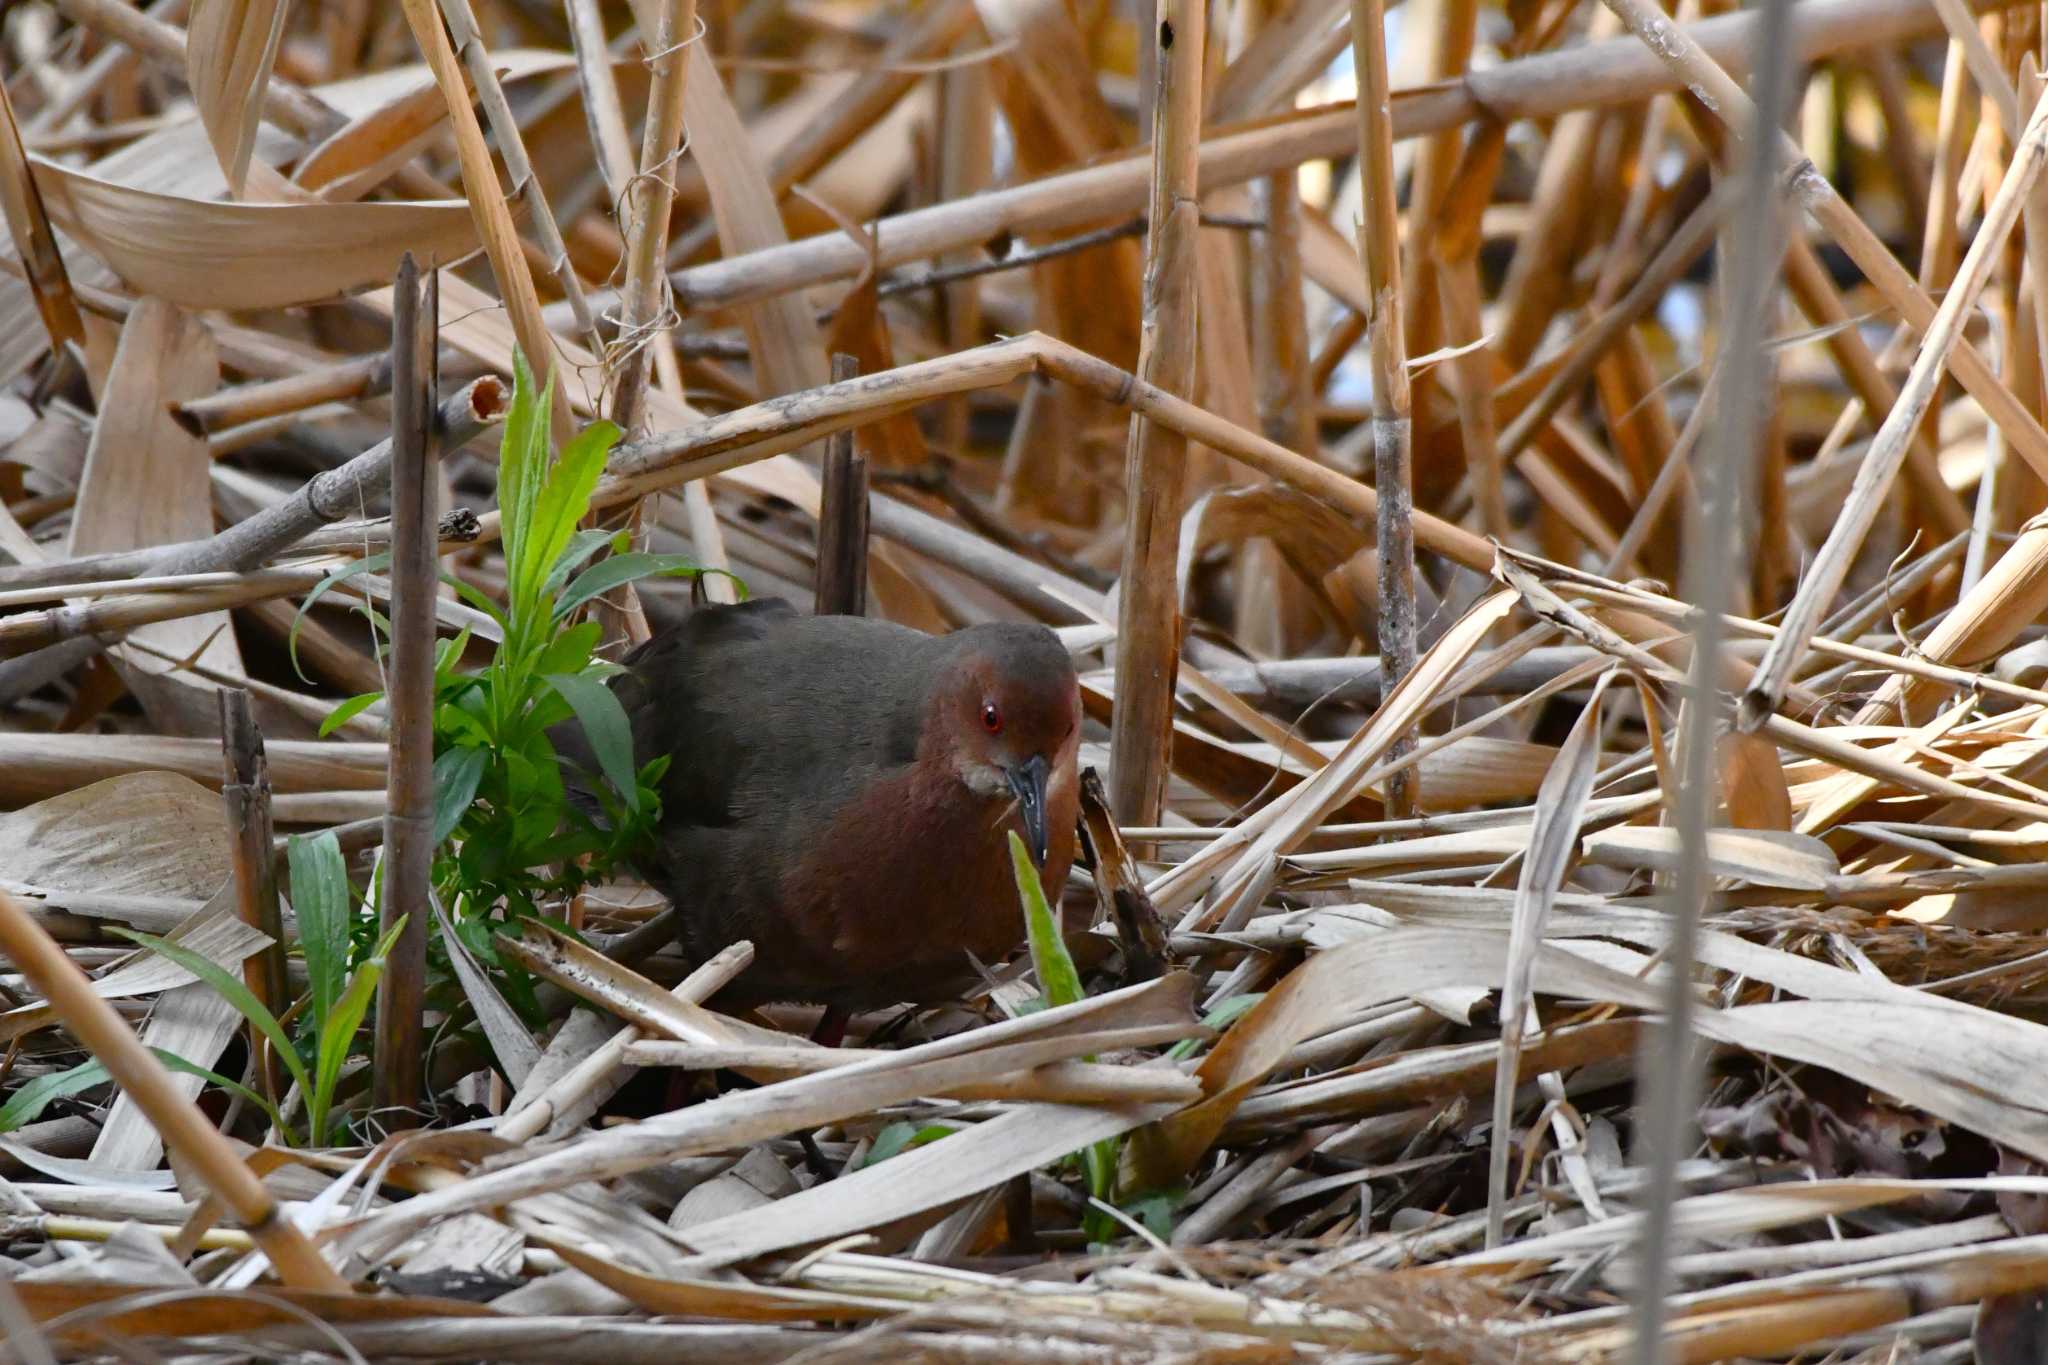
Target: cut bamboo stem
<point>1155,459</point>
<point>395,1091</point>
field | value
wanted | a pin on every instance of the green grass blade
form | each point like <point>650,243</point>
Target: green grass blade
<point>1057,975</point>
<point>28,1102</point>
<point>172,1061</point>
<point>230,986</point>
<point>340,1031</point>
<point>375,563</point>
<point>320,899</point>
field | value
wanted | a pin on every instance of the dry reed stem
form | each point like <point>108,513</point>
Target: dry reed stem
<point>650,197</point>
<point>396,1085</point>
<point>1155,460</point>
<point>1379,248</point>
<point>487,205</point>
<point>1874,476</point>
<point>185,1129</point>
<point>1715,554</point>
<point>1614,72</point>
<point>245,787</point>
<point>483,76</point>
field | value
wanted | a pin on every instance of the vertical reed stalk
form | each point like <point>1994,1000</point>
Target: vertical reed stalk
<point>650,196</point>
<point>246,790</point>
<point>409,825</point>
<point>1379,245</point>
<point>1667,1082</point>
<point>1155,461</point>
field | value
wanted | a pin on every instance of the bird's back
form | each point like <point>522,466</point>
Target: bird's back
<point>773,722</point>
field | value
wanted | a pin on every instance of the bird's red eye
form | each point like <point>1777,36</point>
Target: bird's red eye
<point>991,718</point>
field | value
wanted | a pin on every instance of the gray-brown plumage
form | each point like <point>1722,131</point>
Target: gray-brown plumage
<point>840,791</point>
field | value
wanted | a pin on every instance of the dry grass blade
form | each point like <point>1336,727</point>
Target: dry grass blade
<point>1560,806</point>
<point>231,46</point>
<point>205,254</point>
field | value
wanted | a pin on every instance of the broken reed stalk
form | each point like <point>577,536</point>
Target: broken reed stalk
<point>323,500</point>
<point>650,197</point>
<point>842,572</point>
<point>246,790</point>
<point>1379,247</point>
<point>1155,458</point>
<point>363,376</point>
<point>409,824</point>
<point>1874,476</point>
<point>531,1117</point>
<point>1716,554</point>
<point>185,1130</point>
<point>602,110</point>
<point>1119,888</point>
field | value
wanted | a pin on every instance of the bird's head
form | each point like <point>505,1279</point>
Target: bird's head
<point>1008,713</point>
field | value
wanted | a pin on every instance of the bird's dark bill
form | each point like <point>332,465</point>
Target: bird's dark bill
<point>1028,780</point>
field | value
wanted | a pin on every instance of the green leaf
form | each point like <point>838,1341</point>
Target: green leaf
<point>476,597</point>
<point>448,656</point>
<point>617,571</point>
<point>522,457</point>
<point>564,500</point>
<point>1222,1017</point>
<point>604,722</point>
<point>570,651</point>
<point>30,1101</point>
<point>348,711</point>
<point>339,1032</point>
<point>230,986</point>
<point>900,1137</point>
<point>1156,1210</point>
<point>581,547</point>
<point>321,899</point>
<point>172,1061</point>
<point>373,564</point>
<point>456,775</point>
<point>1049,956</point>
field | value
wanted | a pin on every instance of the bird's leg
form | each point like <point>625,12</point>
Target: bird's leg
<point>831,1029</point>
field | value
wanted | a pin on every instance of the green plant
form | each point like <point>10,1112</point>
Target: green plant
<point>334,1030</point>
<point>508,833</point>
<point>27,1103</point>
<point>1061,982</point>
